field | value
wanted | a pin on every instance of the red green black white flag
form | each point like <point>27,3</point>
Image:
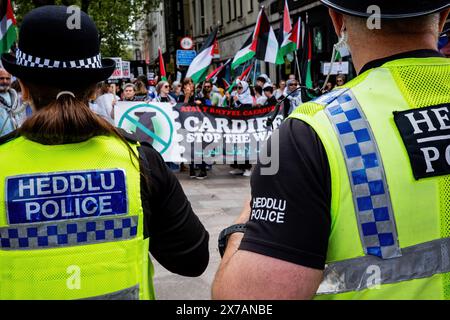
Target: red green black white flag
<point>200,65</point>
<point>162,67</point>
<point>8,33</point>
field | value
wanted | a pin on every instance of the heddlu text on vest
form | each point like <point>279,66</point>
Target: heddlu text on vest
<point>58,196</point>
<point>426,135</point>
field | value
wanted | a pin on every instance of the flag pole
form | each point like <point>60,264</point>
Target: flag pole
<point>298,69</point>
<point>254,71</point>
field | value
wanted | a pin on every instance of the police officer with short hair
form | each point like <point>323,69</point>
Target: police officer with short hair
<point>361,197</point>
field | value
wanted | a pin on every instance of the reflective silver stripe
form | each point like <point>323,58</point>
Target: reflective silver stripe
<point>68,233</point>
<point>127,294</point>
<point>376,221</point>
<point>417,262</point>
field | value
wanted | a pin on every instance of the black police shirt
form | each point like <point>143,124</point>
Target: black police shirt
<point>178,240</point>
<point>290,217</point>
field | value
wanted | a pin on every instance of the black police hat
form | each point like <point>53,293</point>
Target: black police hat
<point>390,9</point>
<point>57,49</point>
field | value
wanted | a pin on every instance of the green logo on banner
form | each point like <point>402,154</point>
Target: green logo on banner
<point>151,124</point>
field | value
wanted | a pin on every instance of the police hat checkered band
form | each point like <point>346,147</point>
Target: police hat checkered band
<point>367,177</point>
<point>68,233</point>
<point>27,60</point>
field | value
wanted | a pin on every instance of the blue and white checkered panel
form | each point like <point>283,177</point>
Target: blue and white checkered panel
<point>371,197</point>
<point>330,96</point>
<point>68,234</point>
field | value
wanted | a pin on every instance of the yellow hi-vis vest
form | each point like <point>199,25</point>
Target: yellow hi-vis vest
<point>387,138</point>
<point>71,222</point>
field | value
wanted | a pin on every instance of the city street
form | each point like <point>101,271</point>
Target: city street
<point>217,201</point>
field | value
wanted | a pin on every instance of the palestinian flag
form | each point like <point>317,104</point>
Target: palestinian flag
<point>244,54</point>
<point>242,77</point>
<point>199,67</point>
<point>308,77</point>
<point>291,43</point>
<point>285,31</point>
<point>162,68</point>
<point>265,43</point>
<point>8,34</point>
<point>216,73</point>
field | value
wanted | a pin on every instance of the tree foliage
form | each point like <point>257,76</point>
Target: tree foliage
<point>114,18</point>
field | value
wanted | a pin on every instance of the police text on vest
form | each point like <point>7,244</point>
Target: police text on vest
<point>426,135</point>
<point>67,195</point>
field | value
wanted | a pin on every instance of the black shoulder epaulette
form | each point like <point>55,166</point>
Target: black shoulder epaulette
<point>10,136</point>
<point>130,137</point>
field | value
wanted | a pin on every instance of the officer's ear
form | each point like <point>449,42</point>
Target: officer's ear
<point>25,92</point>
<point>443,18</point>
<point>338,21</point>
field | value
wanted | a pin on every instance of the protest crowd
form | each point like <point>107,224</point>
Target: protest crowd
<point>264,93</point>
<point>89,172</point>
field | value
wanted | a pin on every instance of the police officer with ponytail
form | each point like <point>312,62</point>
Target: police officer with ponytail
<point>359,208</point>
<point>82,204</point>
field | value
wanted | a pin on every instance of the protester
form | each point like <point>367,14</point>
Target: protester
<point>163,93</point>
<point>210,98</point>
<point>357,209</point>
<point>112,88</point>
<point>262,80</point>
<point>176,90</point>
<point>227,99</point>
<point>340,80</point>
<point>151,89</point>
<point>188,94</point>
<point>104,103</point>
<point>279,94</point>
<point>117,194</point>
<point>260,98</point>
<point>294,97</point>
<point>129,92</point>
<point>243,97</point>
<point>328,88</point>
<point>141,93</point>
<point>12,114</point>
<point>271,99</point>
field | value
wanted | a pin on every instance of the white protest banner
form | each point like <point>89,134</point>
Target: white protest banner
<point>337,68</point>
<point>118,71</point>
<point>153,123</point>
<point>183,133</point>
<point>126,69</point>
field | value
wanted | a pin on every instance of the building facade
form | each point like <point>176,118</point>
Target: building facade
<point>162,27</point>
<point>236,20</point>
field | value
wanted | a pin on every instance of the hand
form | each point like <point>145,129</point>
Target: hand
<point>198,102</point>
<point>235,98</point>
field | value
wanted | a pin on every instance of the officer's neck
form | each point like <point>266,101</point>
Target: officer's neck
<point>383,47</point>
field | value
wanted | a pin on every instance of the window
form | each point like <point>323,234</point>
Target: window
<point>234,10</point>
<point>202,17</point>
<point>194,23</point>
<point>229,11</point>
<point>221,13</point>
<point>241,10</point>
<point>251,6</point>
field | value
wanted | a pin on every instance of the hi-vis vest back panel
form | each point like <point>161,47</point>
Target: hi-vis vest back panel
<point>387,138</point>
<point>71,222</point>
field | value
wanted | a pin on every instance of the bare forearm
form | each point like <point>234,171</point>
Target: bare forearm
<point>221,278</point>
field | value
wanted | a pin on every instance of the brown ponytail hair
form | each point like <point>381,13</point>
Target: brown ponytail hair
<point>65,120</point>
